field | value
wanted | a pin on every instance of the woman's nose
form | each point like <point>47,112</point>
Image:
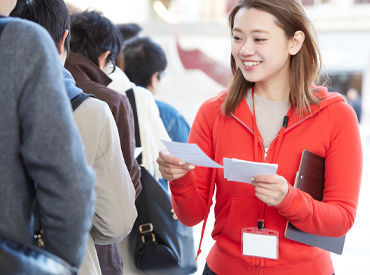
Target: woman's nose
<point>247,49</point>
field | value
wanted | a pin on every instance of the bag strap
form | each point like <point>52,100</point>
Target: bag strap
<point>219,126</point>
<point>131,97</point>
<point>78,99</point>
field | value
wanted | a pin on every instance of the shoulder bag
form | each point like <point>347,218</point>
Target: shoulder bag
<point>161,244</point>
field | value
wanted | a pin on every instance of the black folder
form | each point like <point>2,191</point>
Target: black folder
<point>310,178</point>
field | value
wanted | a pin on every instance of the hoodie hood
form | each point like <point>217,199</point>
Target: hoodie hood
<point>327,98</point>
<point>70,83</point>
<point>243,114</point>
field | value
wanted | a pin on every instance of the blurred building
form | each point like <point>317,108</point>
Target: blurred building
<point>343,28</point>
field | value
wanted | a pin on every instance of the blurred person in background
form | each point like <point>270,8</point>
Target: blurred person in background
<point>128,31</point>
<point>354,99</point>
<point>271,113</point>
<point>95,43</point>
<point>42,156</point>
<point>151,127</point>
<point>115,211</point>
<point>145,63</point>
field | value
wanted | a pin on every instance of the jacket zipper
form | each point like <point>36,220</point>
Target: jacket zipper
<point>250,130</point>
<point>265,157</point>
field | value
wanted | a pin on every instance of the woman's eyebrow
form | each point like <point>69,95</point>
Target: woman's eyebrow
<point>253,31</point>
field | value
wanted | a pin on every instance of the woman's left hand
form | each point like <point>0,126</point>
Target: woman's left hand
<point>271,189</point>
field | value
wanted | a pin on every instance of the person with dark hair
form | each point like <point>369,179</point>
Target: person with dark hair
<point>115,194</point>
<point>145,62</point>
<point>151,127</point>
<point>55,22</point>
<point>96,42</point>
<point>271,113</point>
<point>42,156</point>
<point>129,30</point>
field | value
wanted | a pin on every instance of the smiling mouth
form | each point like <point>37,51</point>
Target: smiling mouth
<point>250,64</point>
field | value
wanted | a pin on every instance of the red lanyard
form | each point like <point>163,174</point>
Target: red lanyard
<point>262,205</point>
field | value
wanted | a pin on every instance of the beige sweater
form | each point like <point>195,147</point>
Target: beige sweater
<point>269,116</point>
<point>115,211</point>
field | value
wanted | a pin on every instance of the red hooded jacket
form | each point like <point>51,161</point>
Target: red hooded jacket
<point>329,130</point>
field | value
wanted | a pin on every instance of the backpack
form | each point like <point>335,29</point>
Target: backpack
<point>78,99</point>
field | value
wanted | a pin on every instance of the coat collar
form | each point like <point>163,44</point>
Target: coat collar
<point>120,81</point>
<point>87,69</point>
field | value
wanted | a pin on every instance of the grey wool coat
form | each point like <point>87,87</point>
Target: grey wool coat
<point>39,143</point>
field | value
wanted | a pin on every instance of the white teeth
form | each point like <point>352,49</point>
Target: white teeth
<point>251,63</point>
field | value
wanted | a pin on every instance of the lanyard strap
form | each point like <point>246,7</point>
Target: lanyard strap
<point>262,205</point>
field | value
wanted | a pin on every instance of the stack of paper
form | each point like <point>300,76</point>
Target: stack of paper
<point>234,169</point>
<point>190,153</point>
<point>244,171</point>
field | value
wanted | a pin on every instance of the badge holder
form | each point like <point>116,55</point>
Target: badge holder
<point>262,243</point>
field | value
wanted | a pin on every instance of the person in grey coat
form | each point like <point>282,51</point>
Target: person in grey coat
<point>115,210</point>
<point>39,143</point>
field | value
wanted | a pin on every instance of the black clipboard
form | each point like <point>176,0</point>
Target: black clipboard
<point>310,178</point>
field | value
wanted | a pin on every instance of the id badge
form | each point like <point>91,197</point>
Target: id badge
<point>263,243</point>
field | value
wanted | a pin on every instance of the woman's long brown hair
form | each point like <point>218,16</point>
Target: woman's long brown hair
<point>305,66</point>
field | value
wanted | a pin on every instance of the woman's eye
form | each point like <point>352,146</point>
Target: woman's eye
<point>236,38</point>
<point>260,39</point>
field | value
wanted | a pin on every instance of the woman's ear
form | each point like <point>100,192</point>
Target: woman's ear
<point>296,42</point>
<point>102,59</point>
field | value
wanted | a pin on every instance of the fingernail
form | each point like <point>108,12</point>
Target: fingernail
<point>181,163</point>
<point>191,167</point>
<point>252,179</point>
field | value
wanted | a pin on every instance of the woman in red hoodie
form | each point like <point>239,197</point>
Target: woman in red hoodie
<point>271,113</point>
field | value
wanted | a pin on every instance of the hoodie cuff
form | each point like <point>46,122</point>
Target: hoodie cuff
<point>286,204</point>
<point>184,184</point>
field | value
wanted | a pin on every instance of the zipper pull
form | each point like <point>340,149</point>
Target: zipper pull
<point>261,224</point>
<point>266,149</point>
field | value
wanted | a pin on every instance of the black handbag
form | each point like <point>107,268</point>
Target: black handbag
<point>161,244</point>
<point>22,259</point>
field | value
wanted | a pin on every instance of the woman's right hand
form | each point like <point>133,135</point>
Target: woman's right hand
<point>172,168</point>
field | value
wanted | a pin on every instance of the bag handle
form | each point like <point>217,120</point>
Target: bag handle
<point>131,97</point>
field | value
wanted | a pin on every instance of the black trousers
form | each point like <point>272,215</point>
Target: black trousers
<point>208,271</point>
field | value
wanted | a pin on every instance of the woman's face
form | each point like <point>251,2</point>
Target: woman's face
<point>259,46</point>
